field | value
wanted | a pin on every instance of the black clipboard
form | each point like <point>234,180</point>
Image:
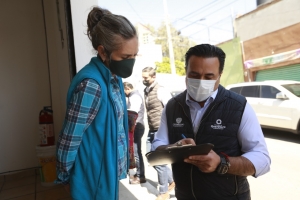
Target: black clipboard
<point>177,154</point>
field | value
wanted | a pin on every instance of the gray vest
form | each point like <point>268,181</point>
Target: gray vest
<point>154,107</point>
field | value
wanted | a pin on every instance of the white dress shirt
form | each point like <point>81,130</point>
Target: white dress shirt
<point>135,102</point>
<point>250,135</point>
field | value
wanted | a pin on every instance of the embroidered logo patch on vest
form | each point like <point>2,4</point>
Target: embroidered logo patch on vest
<point>178,122</point>
<point>218,125</point>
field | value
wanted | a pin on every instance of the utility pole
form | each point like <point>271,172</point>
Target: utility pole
<point>232,22</point>
<point>208,32</point>
<point>207,26</point>
<point>169,36</point>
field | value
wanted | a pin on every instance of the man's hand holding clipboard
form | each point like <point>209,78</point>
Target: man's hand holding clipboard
<point>184,150</point>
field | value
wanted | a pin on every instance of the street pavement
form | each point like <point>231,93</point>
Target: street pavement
<point>282,182</point>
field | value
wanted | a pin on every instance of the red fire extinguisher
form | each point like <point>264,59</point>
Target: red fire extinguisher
<point>46,127</point>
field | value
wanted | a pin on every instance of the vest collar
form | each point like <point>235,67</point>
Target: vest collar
<point>107,75</point>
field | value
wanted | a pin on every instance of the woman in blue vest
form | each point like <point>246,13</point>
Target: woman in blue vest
<point>92,148</point>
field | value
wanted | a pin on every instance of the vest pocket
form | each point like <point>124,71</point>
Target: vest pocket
<point>215,185</point>
<point>227,184</point>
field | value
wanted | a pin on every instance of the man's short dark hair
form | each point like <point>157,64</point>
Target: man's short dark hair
<point>206,51</point>
<point>150,70</point>
<point>129,85</point>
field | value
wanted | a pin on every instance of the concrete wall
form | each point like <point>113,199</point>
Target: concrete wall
<point>283,40</point>
<point>234,68</point>
<point>83,47</point>
<point>268,18</point>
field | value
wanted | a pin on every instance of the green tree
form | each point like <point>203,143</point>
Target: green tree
<point>180,43</point>
<point>165,67</point>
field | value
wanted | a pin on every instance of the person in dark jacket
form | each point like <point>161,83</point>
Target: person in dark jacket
<point>208,113</point>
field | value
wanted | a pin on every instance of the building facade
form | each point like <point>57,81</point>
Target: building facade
<point>270,40</point>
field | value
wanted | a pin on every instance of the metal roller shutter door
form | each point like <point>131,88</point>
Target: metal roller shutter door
<point>281,73</point>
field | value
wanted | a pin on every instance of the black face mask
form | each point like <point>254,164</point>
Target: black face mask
<point>122,68</point>
<point>146,83</point>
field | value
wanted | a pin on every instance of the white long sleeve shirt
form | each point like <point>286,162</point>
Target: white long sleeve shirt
<point>135,102</point>
<point>250,135</point>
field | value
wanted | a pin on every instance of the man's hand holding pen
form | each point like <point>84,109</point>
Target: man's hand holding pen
<point>185,141</point>
<point>205,163</point>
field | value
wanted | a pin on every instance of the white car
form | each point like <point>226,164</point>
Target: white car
<point>276,103</point>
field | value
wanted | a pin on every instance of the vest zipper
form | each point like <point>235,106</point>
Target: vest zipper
<point>236,186</point>
<point>186,114</point>
<point>192,186</point>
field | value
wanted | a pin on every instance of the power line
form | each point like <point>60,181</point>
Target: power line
<point>135,11</point>
<point>216,41</point>
<point>194,12</point>
<point>221,8</point>
<point>206,28</point>
<point>211,13</point>
<point>212,26</point>
<point>191,24</point>
<point>153,4</point>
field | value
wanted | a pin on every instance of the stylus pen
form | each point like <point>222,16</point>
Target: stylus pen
<point>183,136</point>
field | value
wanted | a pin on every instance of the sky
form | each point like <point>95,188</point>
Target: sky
<point>203,21</point>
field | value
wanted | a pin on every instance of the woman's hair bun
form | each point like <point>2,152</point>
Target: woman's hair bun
<point>95,16</point>
<point>107,29</point>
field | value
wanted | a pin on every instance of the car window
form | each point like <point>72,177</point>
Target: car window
<point>250,91</point>
<point>236,89</point>
<point>293,88</point>
<point>268,92</point>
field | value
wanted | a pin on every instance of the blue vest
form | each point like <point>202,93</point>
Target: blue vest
<point>219,126</point>
<point>94,175</point>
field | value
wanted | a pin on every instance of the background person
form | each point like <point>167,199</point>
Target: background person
<point>211,114</point>
<point>92,149</point>
<point>156,97</point>
<point>135,102</point>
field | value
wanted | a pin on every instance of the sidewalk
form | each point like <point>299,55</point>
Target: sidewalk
<point>144,191</point>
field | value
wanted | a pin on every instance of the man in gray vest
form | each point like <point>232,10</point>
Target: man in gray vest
<point>135,102</point>
<point>156,97</point>
<point>208,113</point>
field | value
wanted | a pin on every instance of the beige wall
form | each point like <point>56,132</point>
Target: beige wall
<point>35,72</point>
<point>268,18</point>
<point>58,60</point>
<point>26,77</point>
<point>24,81</point>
